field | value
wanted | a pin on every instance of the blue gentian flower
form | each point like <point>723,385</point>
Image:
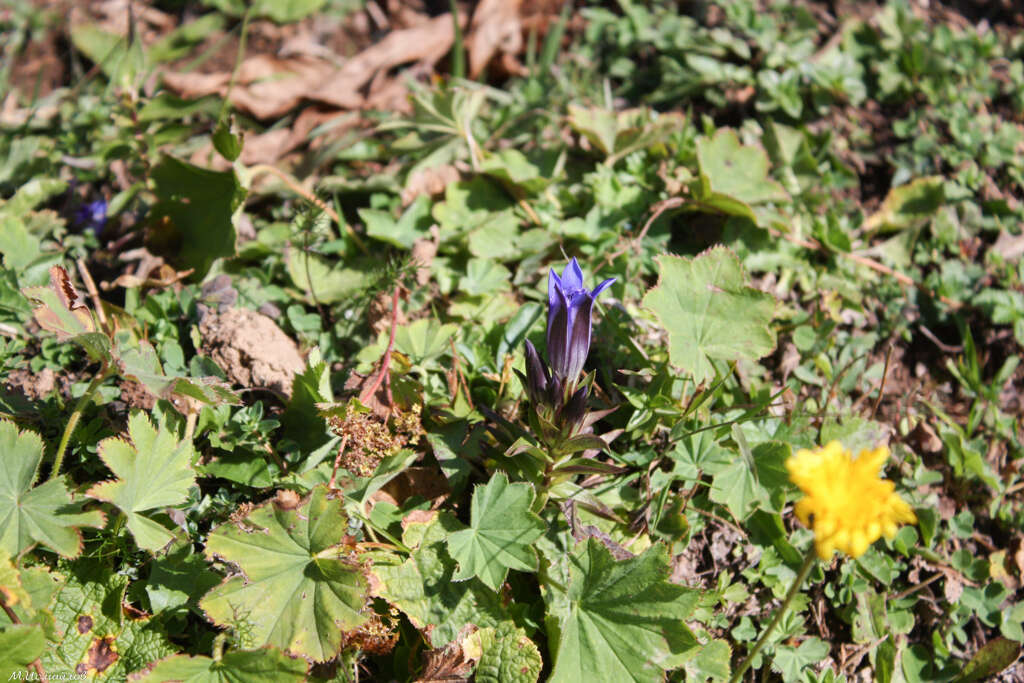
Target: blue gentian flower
<point>569,308</point>
<point>93,215</point>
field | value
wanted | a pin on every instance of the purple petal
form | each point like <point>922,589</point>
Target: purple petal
<point>554,287</point>
<point>554,282</point>
<point>572,276</point>
<point>578,343</point>
<point>601,287</point>
<point>558,332</point>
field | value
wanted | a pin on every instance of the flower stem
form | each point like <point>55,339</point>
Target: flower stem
<point>69,429</point>
<point>763,640</point>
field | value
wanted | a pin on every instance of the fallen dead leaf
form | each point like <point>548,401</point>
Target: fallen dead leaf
<point>427,42</point>
<point>423,252</point>
<point>449,664</point>
<point>430,182</point>
<point>495,29</point>
<point>164,276</point>
<point>268,86</point>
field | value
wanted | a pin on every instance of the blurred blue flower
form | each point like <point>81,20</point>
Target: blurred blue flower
<point>569,308</point>
<point>92,215</point>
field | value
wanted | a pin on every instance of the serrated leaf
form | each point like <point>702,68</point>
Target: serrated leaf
<point>266,665</point>
<point>45,514</point>
<point>199,204</point>
<point>710,311</point>
<point>153,470</point>
<point>484,276</point>
<point>423,339</point>
<point>409,227</point>
<point>423,588</point>
<point>501,529</point>
<point>735,170</point>
<point>299,592</point>
<point>507,655</point>
<point>790,661</point>
<point>711,663</point>
<point>38,586</point>
<point>93,637</point>
<point>617,621</point>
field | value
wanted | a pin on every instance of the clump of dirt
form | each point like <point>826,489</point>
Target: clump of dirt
<point>32,385</point>
<point>252,349</point>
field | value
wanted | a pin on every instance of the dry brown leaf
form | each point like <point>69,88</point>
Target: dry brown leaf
<point>429,181</point>
<point>164,276</point>
<point>952,587</point>
<point>496,28</point>
<point>424,250</point>
<point>427,42</point>
<point>449,664</point>
<point>426,482</point>
<point>267,87</point>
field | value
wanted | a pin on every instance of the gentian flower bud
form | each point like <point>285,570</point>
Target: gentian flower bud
<point>569,309</point>
<point>574,410</point>
<point>555,397</point>
<point>537,375</point>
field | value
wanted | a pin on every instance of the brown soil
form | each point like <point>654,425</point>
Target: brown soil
<point>251,349</point>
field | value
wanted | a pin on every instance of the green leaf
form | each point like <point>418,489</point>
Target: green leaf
<point>617,621</point>
<point>11,591</point>
<point>280,11</point>
<point>735,170</point>
<point>422,586</point>
<point>93,636</point>
<point>153,470</point>
<point>18,246</point>
<point>711,663</point>
<point>300,591</point>
<point>122,61</point>
<point>710,311</point>
<point>227,143</point>
<point>908,206</point>
<point>511,167</point>
<point>423,339</point>
<point>315,276</point>
<point>20,645</point>
<point>199,205</point>
<point>484,276</point>
<point>996,655</point>
<point>45,514</point>
<point>506,655</point>
<point>500,534</point>
<point>412,224</point>
<point>266,665</point>
<point>179,579</point>
<point>497,238</point>
<point>471,203</point>
<point>790,661</point>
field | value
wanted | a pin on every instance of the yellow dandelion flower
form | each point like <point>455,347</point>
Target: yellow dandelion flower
<point>845,502</point>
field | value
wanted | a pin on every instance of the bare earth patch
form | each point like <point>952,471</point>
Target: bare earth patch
<point>251,349</point>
